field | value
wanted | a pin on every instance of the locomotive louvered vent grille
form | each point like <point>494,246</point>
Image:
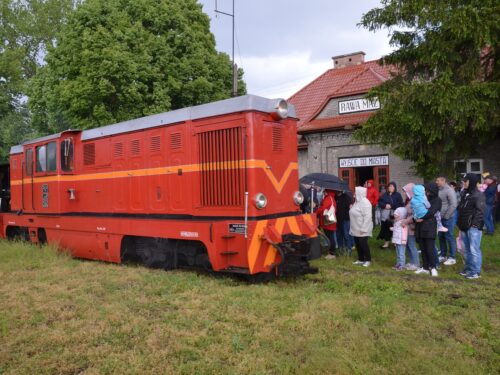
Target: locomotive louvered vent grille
<point>89,154</point>
<point>277,139</point>
<point>135,147</point>
<point>175,141</point>
<point>118,150</point>
<point>155,144</point>
<point>221,177</point>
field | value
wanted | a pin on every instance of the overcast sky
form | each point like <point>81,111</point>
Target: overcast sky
<point>284,44</point>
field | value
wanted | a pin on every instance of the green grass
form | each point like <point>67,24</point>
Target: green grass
<point>64,316</point>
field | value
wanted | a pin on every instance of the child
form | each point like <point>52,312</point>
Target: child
<point>399,237</point>
<point>420,204</point>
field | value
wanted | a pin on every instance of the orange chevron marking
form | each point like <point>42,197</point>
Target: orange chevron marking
<point>294,226</point>
<point>253,249</point>
<point>278,185</point>
<point>271,251</point>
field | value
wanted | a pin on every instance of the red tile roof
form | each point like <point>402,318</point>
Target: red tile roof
<point>351,80</point>
<point>335,122</point>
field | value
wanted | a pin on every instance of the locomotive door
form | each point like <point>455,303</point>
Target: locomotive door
<point>179,190</point>
<point>27,181</point>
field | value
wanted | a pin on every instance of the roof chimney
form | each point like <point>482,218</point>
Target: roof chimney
<point>350,59</point>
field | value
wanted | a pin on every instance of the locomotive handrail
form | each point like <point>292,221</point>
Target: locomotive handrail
<point>22,185</point>
<point>245,181</point>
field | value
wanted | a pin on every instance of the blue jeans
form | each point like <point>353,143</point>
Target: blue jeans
<point>411,245</point>
<point>332,236</point>
<point>471,242</point>
<point>400,255</point>
<point>448,237</point>
<point>488,219</point>
<point>436,255</point>
<point>344,239</point>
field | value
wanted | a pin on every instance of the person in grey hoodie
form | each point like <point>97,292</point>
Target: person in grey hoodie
<point>447,239</point>
<point>360,216</point>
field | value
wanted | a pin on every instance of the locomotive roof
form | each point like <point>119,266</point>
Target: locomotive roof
<point>222,107</point>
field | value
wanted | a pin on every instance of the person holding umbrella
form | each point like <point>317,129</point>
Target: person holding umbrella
<point>329,227</point>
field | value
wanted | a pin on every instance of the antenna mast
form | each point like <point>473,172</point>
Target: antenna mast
<point>235,67</point>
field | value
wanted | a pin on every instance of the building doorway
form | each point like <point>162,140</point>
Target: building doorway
<point>357,176</point>
<point>363,174</point>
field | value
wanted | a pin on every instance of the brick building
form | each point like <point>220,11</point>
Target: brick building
<point>333,105</point>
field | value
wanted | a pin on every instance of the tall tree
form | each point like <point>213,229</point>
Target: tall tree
<point>121,59</point>
<point>27,29</point>
<point>443,101</point>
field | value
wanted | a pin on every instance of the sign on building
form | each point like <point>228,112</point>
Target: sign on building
<point>358,105</point>
<point>365,161</point>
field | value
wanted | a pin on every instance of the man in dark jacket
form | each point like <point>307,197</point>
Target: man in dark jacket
<point>345,241</point>
<point>470,222</point>
<point>426,229</point>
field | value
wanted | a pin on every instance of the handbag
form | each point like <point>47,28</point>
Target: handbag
<point>329,215</point>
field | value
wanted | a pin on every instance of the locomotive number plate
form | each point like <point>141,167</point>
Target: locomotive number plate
<point>45,195</point>
<point>237,228</point>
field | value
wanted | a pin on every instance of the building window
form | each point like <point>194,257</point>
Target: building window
<point>468,166</point>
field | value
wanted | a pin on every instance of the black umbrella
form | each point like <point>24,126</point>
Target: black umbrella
<point>325,180</point>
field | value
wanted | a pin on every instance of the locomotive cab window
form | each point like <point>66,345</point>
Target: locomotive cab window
<point>46,158</point>
<point>29,162</point>
<point>67,155</point>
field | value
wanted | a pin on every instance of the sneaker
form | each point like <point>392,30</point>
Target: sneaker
<point>398,267</point>
<point>443,229</point>
<point>442,259</point>
<point>367,264</point>
<point>420,270</point>
<point>472,276</point>
<point>358,262</point>
<point>463,273</point>
<point>450,262</point>
<point>434,272</point>
<point>411,267</point>
<point>330,256</point>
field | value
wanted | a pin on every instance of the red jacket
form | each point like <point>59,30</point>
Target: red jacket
<point>372,193</point>
<point>325,205</point>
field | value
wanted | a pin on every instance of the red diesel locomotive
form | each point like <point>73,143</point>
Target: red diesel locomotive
<point>212,186</point>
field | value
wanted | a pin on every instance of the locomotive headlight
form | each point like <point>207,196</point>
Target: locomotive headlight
<point>298,198</point>
<point>281,109</point>
<point>260,201</point>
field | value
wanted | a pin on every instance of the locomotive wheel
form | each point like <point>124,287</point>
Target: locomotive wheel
<point>165,253</point>
<point>153,254</point>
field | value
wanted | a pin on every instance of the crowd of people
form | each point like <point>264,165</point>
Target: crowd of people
<point>427,217</point>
